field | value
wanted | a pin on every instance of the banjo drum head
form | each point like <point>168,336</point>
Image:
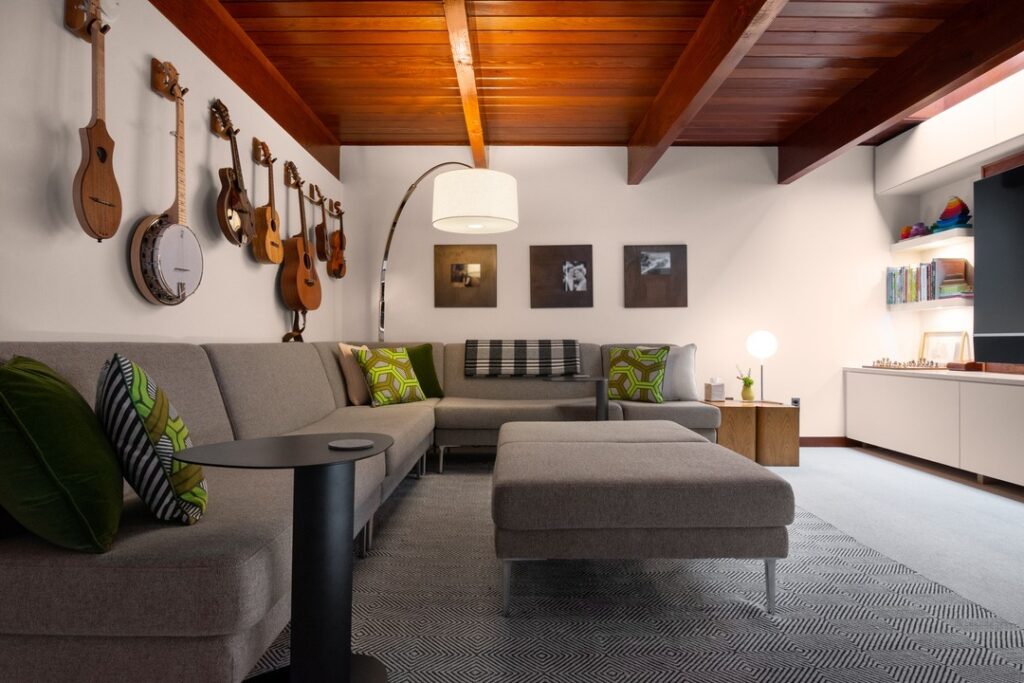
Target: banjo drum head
<point>178,261</point>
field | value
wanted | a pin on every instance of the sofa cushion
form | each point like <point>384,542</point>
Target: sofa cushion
<point>641,431</point>
<point>407,423</point>
<point>220,576</point>
<point>422,358</point>
<point>331,359</point>
<point>691,414</point>
<point>356,390</point>
<point>457,384</point>
<point>642,486</point>
<point>637,373</point>
<point>680,370</point>
<point>389,376</point>
<point>456,412</point>
<point>270,389</point>
<point>59,476</point>
<point>147,432</point>
<point>183,370</point>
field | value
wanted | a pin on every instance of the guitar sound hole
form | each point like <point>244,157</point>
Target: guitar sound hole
<point>101,154</point>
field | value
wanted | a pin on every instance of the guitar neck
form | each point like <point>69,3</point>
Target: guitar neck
<point>302,219</point>
<point>270,175</point>
<point>179,148</point>
<point>235,161</point>
<point>99,87</point>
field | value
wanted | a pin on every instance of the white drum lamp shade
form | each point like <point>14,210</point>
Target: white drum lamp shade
<point>475,201</point>
<point>762,344</point>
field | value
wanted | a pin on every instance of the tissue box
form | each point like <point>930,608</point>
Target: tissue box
<point>714,392</point>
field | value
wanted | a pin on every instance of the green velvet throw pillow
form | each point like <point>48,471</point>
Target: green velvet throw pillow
<point>389,375</point>
<point>8,527</point>
<point>147,432</point>
<point>422,358</point>
<point>59,476</point>
<point>637,373</point>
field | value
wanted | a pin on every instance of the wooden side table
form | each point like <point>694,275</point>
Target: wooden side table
<point>768,433</point>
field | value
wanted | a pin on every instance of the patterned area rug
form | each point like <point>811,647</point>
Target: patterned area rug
<point>428,604</point>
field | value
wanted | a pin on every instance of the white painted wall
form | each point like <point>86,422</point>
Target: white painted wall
<point>806,260</point>
<point>56,283</point>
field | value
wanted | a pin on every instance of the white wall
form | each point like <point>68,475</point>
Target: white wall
<point>55,282</point>
<point>806,260</point>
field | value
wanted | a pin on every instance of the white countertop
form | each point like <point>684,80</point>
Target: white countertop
<point>948,375</point>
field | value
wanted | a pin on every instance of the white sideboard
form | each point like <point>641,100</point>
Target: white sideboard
<point>970,420</point>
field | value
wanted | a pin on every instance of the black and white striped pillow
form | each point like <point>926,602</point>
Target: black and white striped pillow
<point>146,432</point>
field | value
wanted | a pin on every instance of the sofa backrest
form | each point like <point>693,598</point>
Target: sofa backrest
<point>330,358</point>
<point>183,371</point>
<point>457,384</point>
<point>271,389</point>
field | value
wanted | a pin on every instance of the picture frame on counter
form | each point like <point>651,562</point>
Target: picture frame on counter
<point>946,347</point>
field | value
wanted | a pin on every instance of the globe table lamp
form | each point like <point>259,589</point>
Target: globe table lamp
<point>471,201</point>
<point>762,345</point>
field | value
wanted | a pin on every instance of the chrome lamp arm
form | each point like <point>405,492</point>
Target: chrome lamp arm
<point>391,236</point>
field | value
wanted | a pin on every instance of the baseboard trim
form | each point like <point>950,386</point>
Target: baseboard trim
<point>825,441</point>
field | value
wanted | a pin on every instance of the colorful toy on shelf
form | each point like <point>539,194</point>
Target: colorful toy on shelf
<point>919,230</point>
<point>905,232</point>
<point>956,215</point>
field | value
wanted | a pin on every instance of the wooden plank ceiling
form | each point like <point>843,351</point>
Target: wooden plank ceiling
<point>573,72</point>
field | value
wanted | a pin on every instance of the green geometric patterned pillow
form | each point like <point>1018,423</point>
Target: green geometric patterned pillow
<point>146,432</point>
<point>389,375</point>
<point>636,374</point>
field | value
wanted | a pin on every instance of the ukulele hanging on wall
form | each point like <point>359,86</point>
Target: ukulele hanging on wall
<point>96,197</point>
<point>266,245</point>
<point>166,259</point>
<point>234,210</point>
<point>316,198</point>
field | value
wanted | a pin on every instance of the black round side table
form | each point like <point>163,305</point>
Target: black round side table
<point>600,391</point>
<point>324,488</point>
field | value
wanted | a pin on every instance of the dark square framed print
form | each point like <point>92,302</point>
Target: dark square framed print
<point>465,275</point>
<point>655,276</point>
<point>562,276</point>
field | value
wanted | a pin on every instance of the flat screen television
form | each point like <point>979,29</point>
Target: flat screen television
<point>999,268</point>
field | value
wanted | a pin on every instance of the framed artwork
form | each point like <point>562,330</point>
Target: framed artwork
<point>562,276</point>
<point>655,276</point>
<point>945,347</point>
<point>465,275</point>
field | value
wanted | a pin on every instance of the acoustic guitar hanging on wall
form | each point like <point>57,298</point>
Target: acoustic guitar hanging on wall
<point>96,197</point>
<point>166,259</point>
<point>266,245</point>
<point>300,284</point>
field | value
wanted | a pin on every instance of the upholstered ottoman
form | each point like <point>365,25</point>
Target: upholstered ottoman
<point>632,490</point>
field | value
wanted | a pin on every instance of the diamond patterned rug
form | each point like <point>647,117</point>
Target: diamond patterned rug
<point>428,604</point>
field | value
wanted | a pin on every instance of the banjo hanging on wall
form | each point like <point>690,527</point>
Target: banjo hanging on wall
<point>166,259</point>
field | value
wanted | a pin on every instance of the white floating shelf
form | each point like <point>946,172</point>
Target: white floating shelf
<point>933,304</point>
<point>938,240</point>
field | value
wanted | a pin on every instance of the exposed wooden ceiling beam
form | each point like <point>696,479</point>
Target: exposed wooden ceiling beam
<point>213,30</point>
<point>728,31</point>
<point>978,37</point>
<point>462,54</point>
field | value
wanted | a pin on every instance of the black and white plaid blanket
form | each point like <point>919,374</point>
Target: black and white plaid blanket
<point>522,357</point>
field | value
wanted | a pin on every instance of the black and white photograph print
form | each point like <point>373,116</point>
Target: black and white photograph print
<point>654,276</point>
<point>655,263</point>
<point>574,276</point>
<point>561,276</point>
<point>465,275</point>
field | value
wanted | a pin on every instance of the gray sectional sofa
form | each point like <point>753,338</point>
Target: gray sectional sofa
<point>203,602</point>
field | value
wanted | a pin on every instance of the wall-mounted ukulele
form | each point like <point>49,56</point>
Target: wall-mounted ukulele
<point>316,198</point>
<point>166,259</point>
<point>266,245</point>
<point>97,198</point>
<point>234,210</point>
<point>300,285</point>
<point>336,266</point>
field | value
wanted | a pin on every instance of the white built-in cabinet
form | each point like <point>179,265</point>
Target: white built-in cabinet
<point>972,421</point>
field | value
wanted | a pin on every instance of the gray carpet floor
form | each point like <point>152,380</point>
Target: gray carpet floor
<point>427,603</point>
<point>965,537</point>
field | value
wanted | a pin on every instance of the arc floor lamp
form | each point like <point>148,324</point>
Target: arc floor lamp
<point>471,201</point>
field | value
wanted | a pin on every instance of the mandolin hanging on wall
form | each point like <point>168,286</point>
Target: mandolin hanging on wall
<point>166,258</point>
<point>234,210</point>
<point>96,197</point>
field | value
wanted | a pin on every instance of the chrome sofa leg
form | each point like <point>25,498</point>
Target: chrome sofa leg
<point>769,580</point>
<point>364,541</point>
<point>423,465</point>
<point>369,533</point>
<point>506,586</point>
<point>440,459</point>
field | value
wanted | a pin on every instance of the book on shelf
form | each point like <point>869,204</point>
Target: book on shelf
<point>942,278</point>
